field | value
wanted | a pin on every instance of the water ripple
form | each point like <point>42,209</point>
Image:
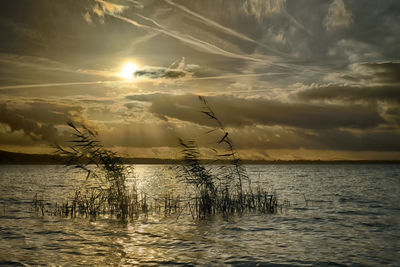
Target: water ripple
<point>340,215</point>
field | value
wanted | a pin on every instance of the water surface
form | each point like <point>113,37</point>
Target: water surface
<point>339,215</point>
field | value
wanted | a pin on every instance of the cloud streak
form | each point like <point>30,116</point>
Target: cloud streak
<point>24,86</point>
<point>219,27</point>
<point>44,64</point>
<point>202,45</point>
<point>192,41</point>
<point>232,76</point>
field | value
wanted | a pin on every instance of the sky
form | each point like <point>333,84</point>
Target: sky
<point>288,79</point>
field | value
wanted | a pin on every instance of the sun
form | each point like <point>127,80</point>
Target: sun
<point>128,70</point>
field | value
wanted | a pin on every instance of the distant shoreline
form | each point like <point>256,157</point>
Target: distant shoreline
<point>13,158</point>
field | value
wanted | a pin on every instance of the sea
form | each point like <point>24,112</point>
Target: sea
<point>334,215</point>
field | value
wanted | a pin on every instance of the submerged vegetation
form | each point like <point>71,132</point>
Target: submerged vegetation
<point>221,189</point>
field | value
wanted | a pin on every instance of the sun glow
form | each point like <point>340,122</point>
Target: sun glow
<point>128,70</point>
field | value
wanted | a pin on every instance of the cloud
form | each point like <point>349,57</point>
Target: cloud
<point>375,72</point>
<point>388,93</point>
<point>25,86</point>
<point>368,74</point>
<point>261,8</point>
<point>103,7</point>
<point>136,4</point>
<point>267,137</point>
<point>354,51</point>
<point>39,69</point>
<point>338,16</point>
<point>215,24</point>
<point>37,120</point>
<point>361,82</point>
<point>36,131</point>
<point>177,70</point>
<point>88,17</point>
<point>369,140</point>
<point>239,112</point>
<point>14,138</point>
<point>393,114</point>
<point>374,85</point>
<point>196,43</point>
<point>70,60</point>
<point>161,73</point>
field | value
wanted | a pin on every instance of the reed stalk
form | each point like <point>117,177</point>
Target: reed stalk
<point>212,189</point>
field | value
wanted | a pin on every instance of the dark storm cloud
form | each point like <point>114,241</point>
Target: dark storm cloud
<point>388,93</point>
<point>15,138</point>
<point>37,120</point>
<point>377,23</point>
<point>320,139</point>
<point>237,112</point>
<point>369,140</point>
<point>393,113</point>
<point>36,131</point>
<point>43,112</point>
<point>388,72</point>
<point>161,73</point>
<point>367,82</point>
<point>381,72</point>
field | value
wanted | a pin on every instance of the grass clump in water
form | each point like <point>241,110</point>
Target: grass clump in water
<point>105,190</point>
<point>223,188</point>
<point>220,189</point>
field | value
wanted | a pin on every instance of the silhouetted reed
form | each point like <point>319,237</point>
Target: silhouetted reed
<point>105,190</point>
<point>221,189</point>
<point>212,194</point>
